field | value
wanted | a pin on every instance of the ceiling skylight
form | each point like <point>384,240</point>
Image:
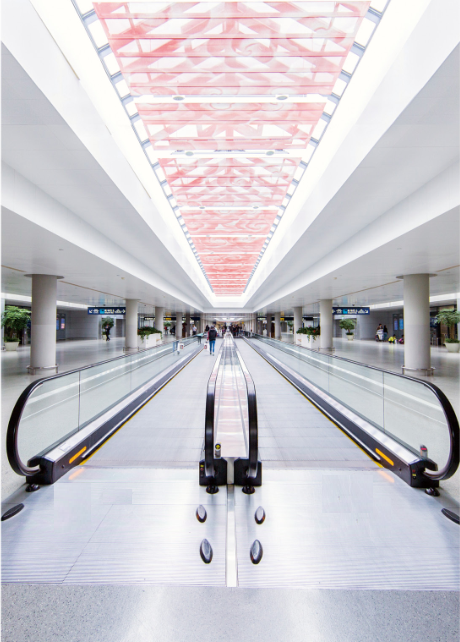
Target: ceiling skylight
<point>229,101</point>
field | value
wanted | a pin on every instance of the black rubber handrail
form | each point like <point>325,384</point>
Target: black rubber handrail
<point>209,422</point>
<point>12,434</point>
<point>451,418</point>
<point>253,446</point>
<point>253,424</point>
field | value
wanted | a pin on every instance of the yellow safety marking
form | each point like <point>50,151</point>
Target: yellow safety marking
<point>76,473</point>
<point>386,476</point>
<point>77,455</point>
<point>318,409</point>
<point>384,457</point>
<point>139,409</point>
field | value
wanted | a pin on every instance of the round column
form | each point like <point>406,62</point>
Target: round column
<point>297,318</point>
<point>325,318</point>
<point>131,324</point>
<point>43,323</point>
<point>417,353</point>
<point>178,325</point>
<point>277,318</point>
<point>160,319</point>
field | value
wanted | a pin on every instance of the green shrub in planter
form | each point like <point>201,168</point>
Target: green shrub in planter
<point>310,331</point>
<point>145,332</point>
<point>14,320</point>
<point>348,325</point>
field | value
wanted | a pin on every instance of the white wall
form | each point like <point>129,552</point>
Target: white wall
<point>367,325</point>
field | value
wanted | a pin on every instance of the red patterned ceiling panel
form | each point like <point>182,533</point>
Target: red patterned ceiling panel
<point>230,62</point>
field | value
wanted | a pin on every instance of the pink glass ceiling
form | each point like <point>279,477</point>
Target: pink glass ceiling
<point>246,52</point>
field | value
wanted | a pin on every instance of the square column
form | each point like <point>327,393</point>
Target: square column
<point>187,324</point>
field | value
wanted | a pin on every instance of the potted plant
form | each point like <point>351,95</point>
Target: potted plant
<point>290,325</point>
<point>167,327</point>
<point>449,318</point>
<point>349,326</point>
<point>14,320</point>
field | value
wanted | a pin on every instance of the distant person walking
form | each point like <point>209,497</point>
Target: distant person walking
<point>107,332</point>
<point>194,330</point>
<point>212,336</point>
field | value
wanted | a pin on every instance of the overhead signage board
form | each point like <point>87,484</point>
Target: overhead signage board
<point>354,311</point>
<point>106,310</point>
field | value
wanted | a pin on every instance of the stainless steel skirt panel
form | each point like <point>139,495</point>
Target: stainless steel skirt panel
<point>102,527</point>
<point>345,529</point>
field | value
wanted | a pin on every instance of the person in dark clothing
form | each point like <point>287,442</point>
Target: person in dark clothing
<point>206,329</point>
<point>212,336</point>
<point>107,332</point>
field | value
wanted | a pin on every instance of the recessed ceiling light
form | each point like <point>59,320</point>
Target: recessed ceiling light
<point>282,97</point>
<point>270,153</point>
<point>178,97</point>
<point>202,207</point>
<point>189,153</point>
<point>255,207</point>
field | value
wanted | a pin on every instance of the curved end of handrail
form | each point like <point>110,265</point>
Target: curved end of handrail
<point>12,433</point>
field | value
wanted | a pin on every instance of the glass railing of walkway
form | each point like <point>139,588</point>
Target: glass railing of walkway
<point>51,410</point>
<point>415,413</point>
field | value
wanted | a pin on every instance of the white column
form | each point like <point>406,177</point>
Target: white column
<point>278,325</point>
<point>325,319</point>
<point>417,355</point>
<point>3,329</point>
<point>458,324</point>
<point>178,325</point>
<point>43,322</point>
<point>297,318</point>
<point>160,319</point>
<point>131,324</point>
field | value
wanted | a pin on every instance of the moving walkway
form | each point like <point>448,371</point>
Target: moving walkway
<point>331,512</point>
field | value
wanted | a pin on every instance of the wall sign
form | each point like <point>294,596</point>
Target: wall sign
<point>351,310</point>
<point>106,310</point>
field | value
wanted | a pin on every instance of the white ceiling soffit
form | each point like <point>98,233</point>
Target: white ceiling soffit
<point>88,278</point>
<point>431,248</point>
<point>355,163</point>
<point>408,178</point>
<point>57,139</point>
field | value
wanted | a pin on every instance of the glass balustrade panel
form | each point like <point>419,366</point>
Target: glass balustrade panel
<point>50,415</point>
<point>414,416</point>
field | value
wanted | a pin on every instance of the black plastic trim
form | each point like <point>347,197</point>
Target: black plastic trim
<point>412,474</point>
<point>32,468</point>
<point>452,422</point>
